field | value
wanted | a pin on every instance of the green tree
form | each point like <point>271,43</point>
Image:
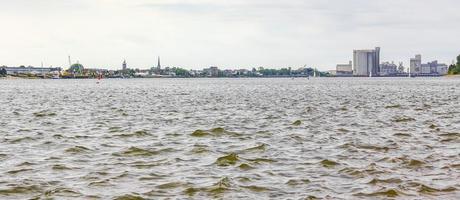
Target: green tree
<point>76,68</point>
<point>452,68</point>
<point>181,72</point>
<point>455,69</point>
<point>3,72</point>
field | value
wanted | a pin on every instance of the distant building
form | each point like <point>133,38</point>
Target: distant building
<point>212,72</point>
<point>30,70</point>
<point>401,68</point>
<point>435,68</point>
<point>416,64</point>
<point>124,66</point>
<point>156,70</point>
<point>431,68</point>
<point>425,69</point>
<point>388,69</point>
<point>366,62</point>
<point>344,69</point>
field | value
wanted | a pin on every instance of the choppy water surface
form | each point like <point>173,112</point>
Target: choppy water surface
<point>230,138</point>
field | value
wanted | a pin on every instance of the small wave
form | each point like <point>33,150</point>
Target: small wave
<point>245,166</point>
<point>220,187</point>
<point>227,160</point>
<point>17,171</point>
<point>393,106</point>
<point>297,123</point>
<point>200,133</point>
<point>44,114</point>
<point>329,163</point>
<point>295,182</point>
<point>215,132</point>
<point>376,181</point>
<point>77,150</point>
<point>383,193</point>
<point>114,129</point>
<point>60,167</point>
<point>101,183</point>
<point>431,190</point>
<point>62,192</point>
<point>255,188</point>
<point>135,151</point>
<point>216,189</point>
<point>372,147</point>
<point>259,148</point>
<point>370,170</point>
<point>453,166</point>
<point>402,135</point>
<point>26,164</point>
<point>19,140</point>
<point>135,134</point>
<point>261,160</point>
<point>129,197</point>
<point>148,165</point>
<point>199,149</point>
<point>343,130</point>
<point>21,190</point>
<point>425,189</point>
<point>413,163</point>
<point>171,185</point>
<point>402,119</point>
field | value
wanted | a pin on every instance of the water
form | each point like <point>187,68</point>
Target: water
<point>230,138</point>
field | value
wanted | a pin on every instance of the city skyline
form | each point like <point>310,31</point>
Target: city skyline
<point>237,34</point>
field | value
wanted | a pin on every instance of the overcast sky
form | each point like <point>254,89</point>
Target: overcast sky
<point>230,34</point>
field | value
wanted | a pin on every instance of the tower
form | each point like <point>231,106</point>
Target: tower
<point>158,65</point>
<point>124,65</point>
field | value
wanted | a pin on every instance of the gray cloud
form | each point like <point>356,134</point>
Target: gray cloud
<point>234,33</point>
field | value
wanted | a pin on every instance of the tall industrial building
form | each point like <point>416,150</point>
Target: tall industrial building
<point>416,65</point>
<point>366,62</point>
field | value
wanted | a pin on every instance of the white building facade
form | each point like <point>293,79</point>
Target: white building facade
<point>366,62</point>
<point>344,69</point>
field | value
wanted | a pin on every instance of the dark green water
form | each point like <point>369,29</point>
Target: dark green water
<point>230,139</point>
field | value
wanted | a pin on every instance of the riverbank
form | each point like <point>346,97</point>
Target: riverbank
<point>453,76</point>
<point>201,77</point>
<point>10,77</point>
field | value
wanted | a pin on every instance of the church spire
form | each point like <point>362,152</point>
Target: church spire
<point>124,65</point>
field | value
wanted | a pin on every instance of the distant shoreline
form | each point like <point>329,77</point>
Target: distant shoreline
<point>243,77</point>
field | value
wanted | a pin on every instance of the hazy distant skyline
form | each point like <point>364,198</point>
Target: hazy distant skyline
<point>229,34</point>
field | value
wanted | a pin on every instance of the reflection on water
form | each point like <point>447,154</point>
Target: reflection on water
<point>230,138</point>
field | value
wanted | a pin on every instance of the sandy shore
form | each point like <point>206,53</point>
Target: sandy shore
<point>453,76</point>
